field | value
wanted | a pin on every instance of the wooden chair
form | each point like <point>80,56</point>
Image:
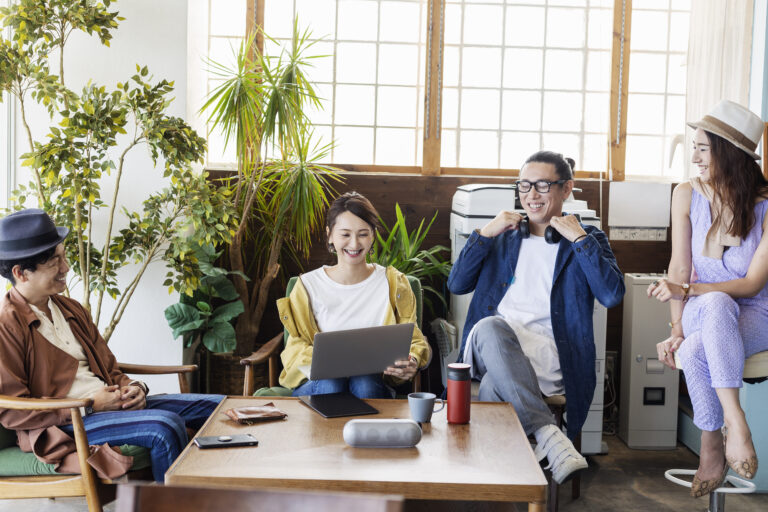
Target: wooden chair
<point>95,490</point>
<point>270,351</point>
<point>153,498</point>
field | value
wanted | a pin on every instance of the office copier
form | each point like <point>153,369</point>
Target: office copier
<point>473,207</point>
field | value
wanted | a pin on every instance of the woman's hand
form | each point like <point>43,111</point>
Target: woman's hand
<point>132,397</point>
<point>403,369</point>
<point>504,221</point>
<point>666,350</point>
<point>107,399</point>
<point>665,290</point>
<point>568,226</point>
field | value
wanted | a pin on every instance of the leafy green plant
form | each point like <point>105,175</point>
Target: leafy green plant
<point>280,190</point>
<point>398,247</point>
<point>71,165</point>
<point>209,312</point>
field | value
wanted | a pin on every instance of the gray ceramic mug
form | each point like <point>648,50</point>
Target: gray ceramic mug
<point>423,405</point>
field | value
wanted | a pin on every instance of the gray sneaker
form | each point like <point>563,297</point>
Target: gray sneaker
<point>564,460</point>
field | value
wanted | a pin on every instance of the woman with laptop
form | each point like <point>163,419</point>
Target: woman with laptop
<point>348,295</point>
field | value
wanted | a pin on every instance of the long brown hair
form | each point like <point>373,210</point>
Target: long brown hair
<point>737,182</point>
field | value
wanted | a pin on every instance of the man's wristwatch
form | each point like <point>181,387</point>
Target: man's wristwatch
<point>89,410</point>
<point>686,290</point>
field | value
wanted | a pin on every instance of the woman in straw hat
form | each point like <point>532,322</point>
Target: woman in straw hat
<point>717,286</point>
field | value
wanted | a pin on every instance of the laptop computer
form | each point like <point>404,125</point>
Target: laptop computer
<point>349,353</point>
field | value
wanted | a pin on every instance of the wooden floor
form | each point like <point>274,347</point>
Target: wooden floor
<point>624,480</point>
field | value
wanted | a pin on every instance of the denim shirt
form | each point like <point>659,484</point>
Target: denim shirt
<point>584,270</point>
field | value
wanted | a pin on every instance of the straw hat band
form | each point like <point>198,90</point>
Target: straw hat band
<point>730,131</point>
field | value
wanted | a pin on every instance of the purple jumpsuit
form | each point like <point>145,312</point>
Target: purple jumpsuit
<point>720,332</point>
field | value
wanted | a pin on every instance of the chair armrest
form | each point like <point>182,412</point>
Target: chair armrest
<point>266,351</point>
<point>150,369</point>
<point>40,404</point>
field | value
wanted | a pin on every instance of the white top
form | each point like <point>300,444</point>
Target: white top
<point>339,307</point>
<point>59,334</point>
<point>526,307</point>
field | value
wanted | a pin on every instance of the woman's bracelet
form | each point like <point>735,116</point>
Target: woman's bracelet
<point>674,322</point>
<point>579,238</point>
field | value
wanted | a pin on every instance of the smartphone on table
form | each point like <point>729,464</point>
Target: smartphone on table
<point>226,441</point>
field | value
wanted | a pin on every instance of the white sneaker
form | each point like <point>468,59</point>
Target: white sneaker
<point>563,458</point>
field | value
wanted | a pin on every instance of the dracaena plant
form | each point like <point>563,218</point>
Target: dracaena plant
<point>71,165</point>
<point>402,249</point>
<point>279,189</point>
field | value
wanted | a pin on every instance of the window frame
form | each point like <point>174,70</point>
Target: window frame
<point>431,165</point>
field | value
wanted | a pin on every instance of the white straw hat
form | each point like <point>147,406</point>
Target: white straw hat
<point>736,124</point>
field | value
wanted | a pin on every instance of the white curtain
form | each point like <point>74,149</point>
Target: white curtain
<point>719,55</point>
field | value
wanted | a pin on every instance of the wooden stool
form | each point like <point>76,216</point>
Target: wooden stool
<point>755,371</point>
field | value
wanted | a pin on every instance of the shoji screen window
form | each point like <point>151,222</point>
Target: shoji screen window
<point>657,81</point>
<point>226,31</point>
<point>526,75</point>
<point>372,78</point>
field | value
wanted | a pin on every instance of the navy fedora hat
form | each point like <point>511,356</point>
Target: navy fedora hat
<point>28,232</point>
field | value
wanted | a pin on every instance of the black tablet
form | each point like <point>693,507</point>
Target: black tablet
<point>336,405</point>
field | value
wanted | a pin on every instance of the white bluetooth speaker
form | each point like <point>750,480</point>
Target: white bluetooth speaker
<point>388,433</point>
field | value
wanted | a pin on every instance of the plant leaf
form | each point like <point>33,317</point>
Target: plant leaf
<point>227,312</point>
<point>220,338</point>
<point>180,314</point>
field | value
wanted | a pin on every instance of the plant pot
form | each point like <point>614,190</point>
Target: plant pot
<point>226,375</point>
<point>191,355</point>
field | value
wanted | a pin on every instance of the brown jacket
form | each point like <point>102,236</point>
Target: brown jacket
<point>30,366</point>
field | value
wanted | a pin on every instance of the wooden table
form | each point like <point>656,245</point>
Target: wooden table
<point>489,459</point>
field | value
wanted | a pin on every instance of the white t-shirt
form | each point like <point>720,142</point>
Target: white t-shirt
<point>338,307</point>
<point>526,307</point>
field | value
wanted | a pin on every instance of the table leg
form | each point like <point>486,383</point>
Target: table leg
<point>536,507</point>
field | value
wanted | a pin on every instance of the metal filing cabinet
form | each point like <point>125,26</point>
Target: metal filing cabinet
<point>649,390</point>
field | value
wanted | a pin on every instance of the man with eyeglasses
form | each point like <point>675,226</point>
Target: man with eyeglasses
<point>528,332</point>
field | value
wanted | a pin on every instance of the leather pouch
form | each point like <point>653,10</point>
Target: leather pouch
<point>255,414</point>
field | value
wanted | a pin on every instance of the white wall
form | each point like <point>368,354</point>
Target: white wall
<point>758,90</point>
<point>154,33</point>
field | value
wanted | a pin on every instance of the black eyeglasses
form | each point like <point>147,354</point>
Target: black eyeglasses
<point>542,186</point>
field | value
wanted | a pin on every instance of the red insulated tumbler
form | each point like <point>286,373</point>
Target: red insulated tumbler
<point>459,393</point>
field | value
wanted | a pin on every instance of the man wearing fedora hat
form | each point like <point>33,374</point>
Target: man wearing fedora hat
<point>50,347</point>
<point>718,285</point>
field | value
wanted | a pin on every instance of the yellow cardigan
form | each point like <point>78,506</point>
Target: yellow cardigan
<point>296,315</point>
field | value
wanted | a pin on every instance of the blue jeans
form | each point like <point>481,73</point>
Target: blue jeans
<point>362,386</point>
<point>160,427</point>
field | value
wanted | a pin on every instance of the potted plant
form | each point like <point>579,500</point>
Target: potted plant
<point>279,189</point>
<point>69,167</point>
<point>398,247</point>
<point>205,319</point>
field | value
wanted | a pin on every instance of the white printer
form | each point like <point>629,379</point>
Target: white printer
<point>473,207</point>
